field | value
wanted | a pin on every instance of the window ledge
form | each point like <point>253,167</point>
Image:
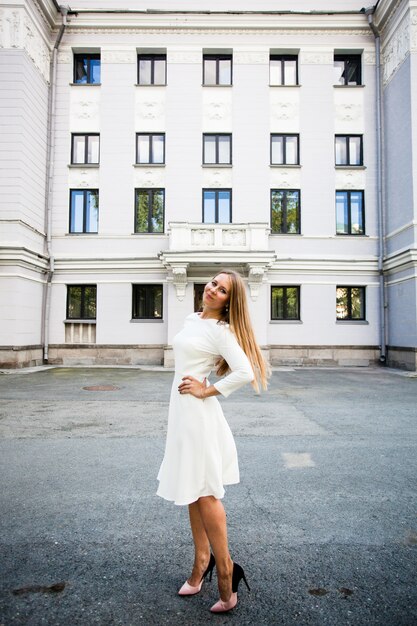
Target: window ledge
<point>349,86</point>
<point>216,165</point>
<point>221,86</point>
<point>146,321</point>
<point>81,234</point>
<point>286,86</point>
<point>350,167</point>
<point>149,234</point>
<point>84,165</point>
<point>79,321</point>
<point>292,166</point>
<point>85,84</point>
<point>148,164</point>
<point>286,234</point>
<point>285,322</point>
<point>351,235</point>
<point>154,85</point>
<point>354,322</point>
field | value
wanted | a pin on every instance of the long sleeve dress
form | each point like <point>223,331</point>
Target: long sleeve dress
<point>200,453</point>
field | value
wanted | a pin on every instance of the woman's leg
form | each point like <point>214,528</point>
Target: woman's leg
<point>201,545</point>
<point>213,517</point>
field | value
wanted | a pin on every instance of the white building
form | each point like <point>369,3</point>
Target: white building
<point>145,148</point>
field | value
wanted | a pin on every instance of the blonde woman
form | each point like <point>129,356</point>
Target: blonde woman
<point>200,453</point>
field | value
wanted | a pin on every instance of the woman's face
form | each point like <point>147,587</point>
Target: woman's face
<point>217,293</point>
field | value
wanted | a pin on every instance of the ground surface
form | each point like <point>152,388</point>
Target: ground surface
<point>324,520</point>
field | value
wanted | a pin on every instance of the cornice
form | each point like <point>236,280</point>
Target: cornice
<point>134,29</point>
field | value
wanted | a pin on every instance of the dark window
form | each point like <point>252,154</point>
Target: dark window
<point>217,206</point>
<point>147,302</point>
<point>350,213</point>
<point>149,210</point>
<point>283,69</point>
<point>285,150</point>
<point>83,211</point>
<point>81,302</point>
<point>285,303</point>
<point>85,148</point>
<point>152,69</point>
<point>87,69</point>
<point>348,150</point>
<point>217,149</point>
<point>350,303</point>
<point>150,148</point>
<point>285,211</point>
<point>217,69</point>
<point>347,69</point>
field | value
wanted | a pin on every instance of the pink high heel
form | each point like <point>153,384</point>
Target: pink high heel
<point>237,575</point>
<point>189,590</point>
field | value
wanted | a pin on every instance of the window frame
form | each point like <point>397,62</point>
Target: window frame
<point>82,302</point>
<point>347,58</point>
<point>216,205</point>
<point>151,137</point>
<point>217,136</point>
<point>347,138</point>
<point>86,137</point>
<point>85,192</point>
<point>349,192</point>
<point>285,192</point>
<point>283,58</point>
<point>285,317</point>
<point>148,302</point>
<point>217,57</point>
<point>157,56</point>
<point>90,56</point>
<point>284,148</point>
<point>349,317</point>
<point>151,191</point>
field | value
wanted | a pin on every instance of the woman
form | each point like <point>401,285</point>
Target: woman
<point>200,453</point>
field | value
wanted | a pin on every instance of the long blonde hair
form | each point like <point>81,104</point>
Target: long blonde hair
<point>236,314</point>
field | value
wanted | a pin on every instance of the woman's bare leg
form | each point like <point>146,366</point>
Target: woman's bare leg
<point>201,545</point>
<point>213,517</point>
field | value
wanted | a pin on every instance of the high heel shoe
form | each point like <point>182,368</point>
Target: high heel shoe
<point>189,590</point>
<point>237,575</point>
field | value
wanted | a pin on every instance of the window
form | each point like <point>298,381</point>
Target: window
<point>350,214</point>
<point>285,150</point>
<point>348,150</point>
<point>217,149</point>
<point>347,69</point>
<point>283,69</point>
<point>217,69</point>
<point>152,69</point>
<point>285,303</point>
<point>85,148</point>
<point>150,148</point>
<point>147,302</point>
<point>285,211</point>
<point>83,211</point>
<point>87,69</point>
<point>81,302</point>
<point>350,303</point>
<point>217,206</point>
<point>149,210</point>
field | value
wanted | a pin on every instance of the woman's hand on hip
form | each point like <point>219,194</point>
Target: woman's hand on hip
<point>192,386</point>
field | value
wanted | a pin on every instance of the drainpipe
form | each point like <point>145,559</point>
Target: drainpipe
<point>380,199</point>
<point>49,183</point>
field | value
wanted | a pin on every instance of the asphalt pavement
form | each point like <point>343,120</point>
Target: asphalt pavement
<point>324,520</point>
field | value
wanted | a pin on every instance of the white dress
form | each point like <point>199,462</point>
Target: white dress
<point>200,452</point>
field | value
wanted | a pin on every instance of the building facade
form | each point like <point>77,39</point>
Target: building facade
<point>143,150</point>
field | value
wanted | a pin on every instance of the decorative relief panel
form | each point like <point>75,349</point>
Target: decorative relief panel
<point>350,179</point>
<point>118,56</point>
<point>349,110</point>
<point>251,58</point>
<point>318,57</point>
<point>234,237</point>
<point>217,110</point>
<point>144,177</point>
<point>217,177</point>
<point>202,237</point>
<point>85,109</point>
<point>83,178</point>
<point>369,58</point>
<point>150,109</point>
<point>282,178</point>
<point>18,31</point>
<point>397,47</point>
<point>284,110</point>
<point>185,56</point>
<point>64,56</point>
